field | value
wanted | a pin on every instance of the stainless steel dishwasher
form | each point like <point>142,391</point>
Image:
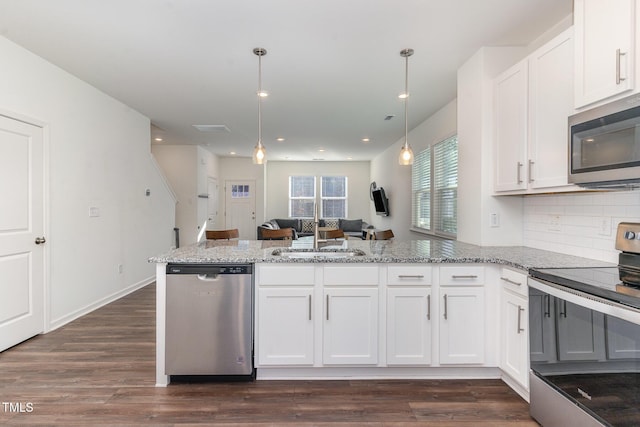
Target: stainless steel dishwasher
<point>209,319</point>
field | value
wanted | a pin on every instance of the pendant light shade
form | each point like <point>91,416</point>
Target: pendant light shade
<point>406,153</point>
<point>259,152</point>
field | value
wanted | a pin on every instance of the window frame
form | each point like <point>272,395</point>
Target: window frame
<point>433,191</point>
<point>292,198</point>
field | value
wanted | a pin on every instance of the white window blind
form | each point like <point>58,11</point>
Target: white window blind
<point>302,196</point>
<point>333,194</point>
<point>435,189</point>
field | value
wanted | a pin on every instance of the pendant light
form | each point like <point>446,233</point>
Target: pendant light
<point>259,152</point>
<point>406,153</point>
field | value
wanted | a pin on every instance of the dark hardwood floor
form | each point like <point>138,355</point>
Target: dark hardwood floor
<point>100,370</point>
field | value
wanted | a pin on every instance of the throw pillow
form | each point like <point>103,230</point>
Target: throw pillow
<point>267,225</point>
<point>331,223</point>
<point>307,226</point>
<point>351,224</point>
<point>289,223</point>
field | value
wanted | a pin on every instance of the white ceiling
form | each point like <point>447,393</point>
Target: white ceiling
<point>333,68</point>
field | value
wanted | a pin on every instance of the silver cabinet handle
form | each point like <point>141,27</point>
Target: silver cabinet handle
<point>511,281</point>
<point>520,310</point>
<point>327,307</point>
<point>410,276</point>
<point>531,162</point>
<point>619,78</point>
<point>445,306</point>
<point>519,172</point>
<point>464,276</point>
<point>428,307</point>
<point>547,311</point>
<point>309,306</point>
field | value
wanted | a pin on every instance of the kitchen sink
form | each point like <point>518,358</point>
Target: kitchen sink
<point>313,253</point>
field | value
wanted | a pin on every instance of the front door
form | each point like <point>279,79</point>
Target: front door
<point>21,231</point>
<point>240,207</point>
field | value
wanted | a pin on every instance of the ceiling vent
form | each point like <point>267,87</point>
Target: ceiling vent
<point>212,128</point>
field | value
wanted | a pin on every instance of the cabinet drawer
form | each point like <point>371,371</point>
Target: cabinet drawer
<point>351,275</point>
<point>514,281</point>
<point>462,276</point>
<point>286,274</point>
<point>408,275</point>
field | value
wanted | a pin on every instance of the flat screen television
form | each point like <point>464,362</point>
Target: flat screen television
<point>380,201</point>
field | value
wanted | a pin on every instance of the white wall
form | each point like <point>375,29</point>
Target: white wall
<point>99,156</point>
<point>357,173</point>
<point>241,168</point>
<point>396,179</point>
<point>587,222</point>
<point>187,168</point>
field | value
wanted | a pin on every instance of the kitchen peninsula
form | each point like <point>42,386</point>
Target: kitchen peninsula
<point>380,309</point>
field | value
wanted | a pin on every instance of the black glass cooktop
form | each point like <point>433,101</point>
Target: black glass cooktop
<point>600,281</point>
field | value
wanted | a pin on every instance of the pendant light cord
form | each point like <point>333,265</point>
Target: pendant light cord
<point>406,99</point>
<point>260,100</point>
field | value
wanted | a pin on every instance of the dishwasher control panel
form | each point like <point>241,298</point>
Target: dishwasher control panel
<point>214,269</point>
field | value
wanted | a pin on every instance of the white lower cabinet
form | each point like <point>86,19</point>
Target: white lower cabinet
<point>350,327</point>
<point>409,326</point>
<point>286,329</point>
<point>514,339</point>
<point>462,325</point>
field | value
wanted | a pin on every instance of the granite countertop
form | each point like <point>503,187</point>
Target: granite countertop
<point>376,251</point>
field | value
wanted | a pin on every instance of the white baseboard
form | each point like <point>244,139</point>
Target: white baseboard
<point>61,321</point>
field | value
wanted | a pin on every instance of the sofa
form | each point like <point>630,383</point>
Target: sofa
<point>353,228</point>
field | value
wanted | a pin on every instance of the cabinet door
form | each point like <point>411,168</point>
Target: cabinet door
<point>285,326</point>
<point>515,327</point>
<point>350,335</point>
<point>550,105</point>
<point>409,326</point>
<point>462,323</point>
<point>604,41</point>
<point>580,332</point>
<point>542,330</point>
<point>622,339</point>
<point>510,126</point>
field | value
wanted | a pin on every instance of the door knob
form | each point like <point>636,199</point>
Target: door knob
<point>40,240</point>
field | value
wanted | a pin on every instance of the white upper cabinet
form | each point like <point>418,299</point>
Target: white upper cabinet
<point>532,103</point>
<point>604,49</point>
<point>511,128</point>
<point>550,105</point>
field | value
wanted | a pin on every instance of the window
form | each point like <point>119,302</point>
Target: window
<point>302,196</point>
<point>435,189</point>
<point>333,196</point>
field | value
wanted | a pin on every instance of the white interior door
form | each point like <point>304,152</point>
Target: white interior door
<point>240,207</point>
<point>212,206</point>
<point>21,232</point>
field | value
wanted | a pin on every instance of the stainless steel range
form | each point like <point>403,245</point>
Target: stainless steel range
<point>585,341</point>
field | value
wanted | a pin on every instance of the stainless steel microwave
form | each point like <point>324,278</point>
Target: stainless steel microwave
<point>604,145</point>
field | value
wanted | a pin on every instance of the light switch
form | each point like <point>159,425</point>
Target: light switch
<point>494,220</point>
<point>94,212</point>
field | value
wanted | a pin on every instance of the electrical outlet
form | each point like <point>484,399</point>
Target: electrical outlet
<point>605,226</point>
<point>554,223</point>
<point>120,268</point>
<point>494,219</point>
<point>94,212</point>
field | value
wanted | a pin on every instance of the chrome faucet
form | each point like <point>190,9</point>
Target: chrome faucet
<point>316,223</point>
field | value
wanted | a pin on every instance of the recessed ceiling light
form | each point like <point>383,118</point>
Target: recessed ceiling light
<point>263,94</point>
<point>365,140</point>
<point>403,95</point>
<point>233,153</point>
<point>349,158</point>
<point>280,139</point>
<point>321,150</point>
<point>158,139</point>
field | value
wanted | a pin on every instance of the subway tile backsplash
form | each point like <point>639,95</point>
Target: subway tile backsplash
<point>582,224</point>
